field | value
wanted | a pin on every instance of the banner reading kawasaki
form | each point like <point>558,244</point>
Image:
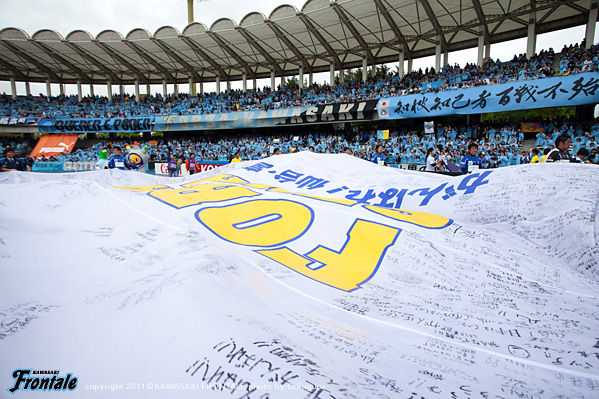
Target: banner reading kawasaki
<point>360,110</point>
<point>540,93</point>
<point>84,125</point>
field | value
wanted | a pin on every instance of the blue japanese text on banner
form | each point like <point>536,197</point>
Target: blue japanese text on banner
<point>84,125</point>
<point>539,93</point>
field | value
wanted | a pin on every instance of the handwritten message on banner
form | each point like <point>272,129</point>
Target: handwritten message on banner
<point>540,93</point>
<point>305,276</point>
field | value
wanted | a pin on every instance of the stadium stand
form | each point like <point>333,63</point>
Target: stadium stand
<point>499,145</point>
<point>574,59</point>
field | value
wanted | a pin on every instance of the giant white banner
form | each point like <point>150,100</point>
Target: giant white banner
<point>301,276</point>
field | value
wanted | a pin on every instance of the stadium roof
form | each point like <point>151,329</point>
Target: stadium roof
<point>343,31</point>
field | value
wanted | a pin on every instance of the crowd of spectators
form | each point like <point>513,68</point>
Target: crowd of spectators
<point>498,145</point>
<point>21,146</point>
<point>574,59</point>
<point>521,68</point>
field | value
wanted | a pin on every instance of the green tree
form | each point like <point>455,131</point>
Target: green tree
<point>382,70</point>
<point>531,115</point>
<point>358,75</point>
<point>292,83</point>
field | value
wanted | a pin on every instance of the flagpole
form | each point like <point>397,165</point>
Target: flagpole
<point>190,20</point>
<point>189,11</point>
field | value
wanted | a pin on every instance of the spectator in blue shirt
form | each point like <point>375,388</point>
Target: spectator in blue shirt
<point>514,158</point>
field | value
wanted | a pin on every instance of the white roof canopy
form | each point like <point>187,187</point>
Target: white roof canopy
<point>322,31</point>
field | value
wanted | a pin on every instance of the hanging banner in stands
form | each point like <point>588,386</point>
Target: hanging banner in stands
<point>342,112</point>
<point>540,93</point>
<point>17,121</point>
<point>204,166</point>
<point>432,85</point>
<point>531,127</point>
<point>51,145</point>
<point>84,125</point>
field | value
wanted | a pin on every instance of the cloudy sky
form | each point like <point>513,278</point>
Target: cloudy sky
<point>95,16</point>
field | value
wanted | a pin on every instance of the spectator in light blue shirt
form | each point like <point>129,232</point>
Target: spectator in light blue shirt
<point>514,157</point>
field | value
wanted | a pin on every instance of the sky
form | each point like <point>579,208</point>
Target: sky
<point>95,16</point>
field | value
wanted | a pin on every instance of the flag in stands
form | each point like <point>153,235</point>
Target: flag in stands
<point>382,134</point>
<point>54,144</point>
<point>429,127</point>
<point>531,127</point>
<point>305,276</point>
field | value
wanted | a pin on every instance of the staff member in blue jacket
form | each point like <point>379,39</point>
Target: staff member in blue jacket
<point>471,160</point>
<point>379,157</point>
<point>117,160</point>
<point>10,163</point>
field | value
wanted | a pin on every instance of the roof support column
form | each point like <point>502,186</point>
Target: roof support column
<point>61,88</point>
<point>590,34</point>
<point>310,78</point>
<point>410,65</point>
<point>255,83</point>
<point>445,58</point>
<point>13,87</point>
<point>282,81</point>
<point>364,68</point>
<point>48,89</point>
<point>245,81</point>
<point>301,77</point>
<point>109,89</point>
<point>91,89</point>
<point>488,50</point>
<point>400,68</point>
<point>332,74</point>
<point>191,86</point>
<point>121,90</point>
<point>481,45</point>
<point>148,90</point>
<point>164,89</point>
<point>79,94</point>
<point>137,90</point>
<point>341,76</point>
<point>217,84</point>
<point>27,89</point>
<point>438,54</point>
<point>272,80</point>
<point>201,87</point>
<point>228,85</point>
<point>531,44</point>
<point>176,89</point>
